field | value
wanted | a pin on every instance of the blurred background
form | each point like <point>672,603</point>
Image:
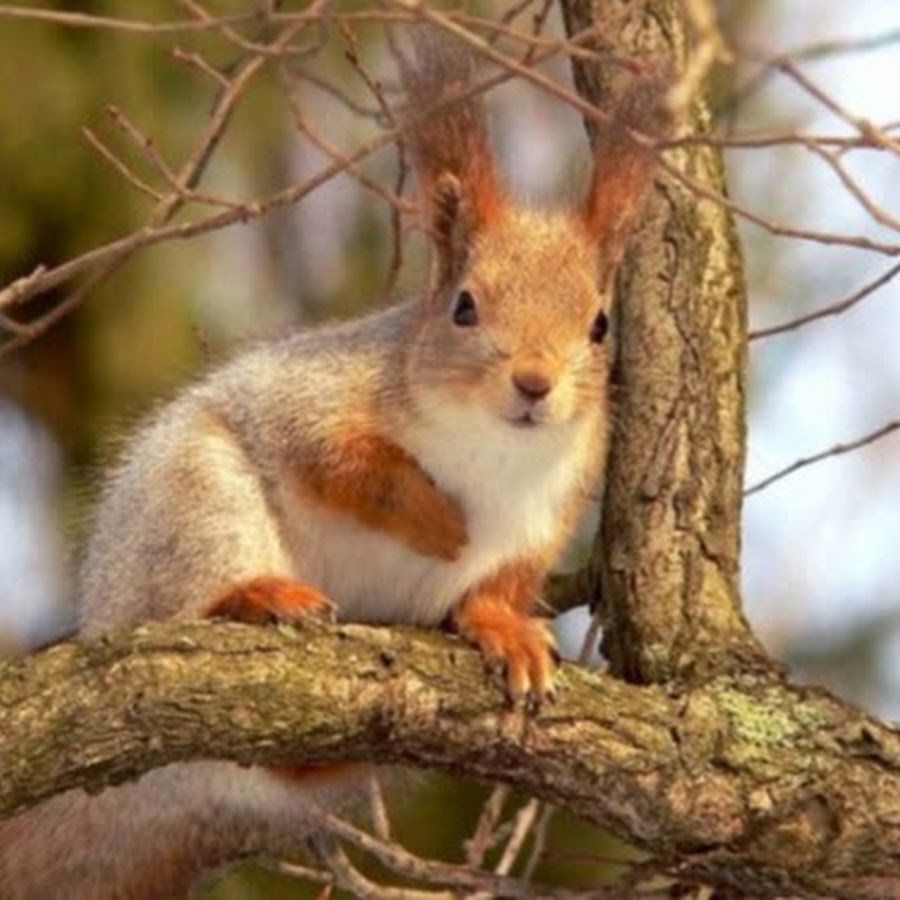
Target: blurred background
<point>821,547</point>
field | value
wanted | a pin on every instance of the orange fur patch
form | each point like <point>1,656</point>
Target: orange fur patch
<point>270,599</point>
<point>312,773</point>
<point>380,485</point>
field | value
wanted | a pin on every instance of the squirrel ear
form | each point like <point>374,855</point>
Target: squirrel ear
<point>447,136</point>
<point>452,221</point>
<point>623,167</point>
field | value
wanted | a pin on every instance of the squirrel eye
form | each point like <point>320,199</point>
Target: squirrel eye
<point>599,328</point>
<point>465,312</point>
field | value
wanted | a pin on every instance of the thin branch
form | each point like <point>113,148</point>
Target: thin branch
<point>196,61</point>
<point>381,822</point>
<point>864,126</point>
<point>812,51</point>
<point>878,213</point>
<point>485,835</point>
<point>819,237</point>
<point>836,450</point>
<point>146,145</point>
<point>349,877</point>
<point>294,870</point>
<point>110,256</point>
<point>524,821</point>
<point>320,142</point>
<point>120,166</point>
<point>539,844</point>
<point>865,44</point>
<point>753,140</point>
<point>134,26</point>
<point>403,862</point>
<point>396,210</point>
<point>832,309</point>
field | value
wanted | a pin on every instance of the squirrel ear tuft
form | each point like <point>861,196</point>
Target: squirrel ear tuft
<point>452,222</point>
<point>623,165</point>
<point>447,136</point>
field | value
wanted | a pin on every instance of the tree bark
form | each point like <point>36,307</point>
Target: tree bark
<point>743,782</point>
<point>669,543</point>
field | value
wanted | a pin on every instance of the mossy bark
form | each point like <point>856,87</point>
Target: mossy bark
<point>744,781</point>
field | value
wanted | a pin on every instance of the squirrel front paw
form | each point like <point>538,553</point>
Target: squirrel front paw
<point>522,646</point>
<point>268,599</point>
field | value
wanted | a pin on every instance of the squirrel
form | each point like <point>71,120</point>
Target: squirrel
<point>425,463</point>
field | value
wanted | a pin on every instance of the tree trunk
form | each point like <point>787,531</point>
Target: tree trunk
<point>669,543</point>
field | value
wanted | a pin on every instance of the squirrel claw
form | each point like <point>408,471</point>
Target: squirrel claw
<point>522,648</point>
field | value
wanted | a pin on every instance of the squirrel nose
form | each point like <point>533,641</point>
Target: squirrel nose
<point>532,385</point>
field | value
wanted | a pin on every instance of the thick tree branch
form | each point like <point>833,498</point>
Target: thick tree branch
<point>742,780</point>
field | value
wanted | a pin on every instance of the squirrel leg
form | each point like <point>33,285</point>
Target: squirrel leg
<point>380,485</point>
<point>494,616</point>
<point>270,598</point>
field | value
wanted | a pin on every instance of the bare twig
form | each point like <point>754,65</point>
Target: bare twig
<point>812,51</point>
<point>820,237</point>
<point>381,821</point>
<point>146,145</point>
<point>405,863</point>
<point>836,450</point>
<point>115,23</point>
<point>878,213</point>
<point>864,126</point>
<point>317,876</point>
<point>524,821</point>
<point>197,61</point>
<point>349,877</point>
<point>396,209</point>
<point>485,835</point>
<point>539,844</point>
<point>832,309</point>
<point>120,166</point>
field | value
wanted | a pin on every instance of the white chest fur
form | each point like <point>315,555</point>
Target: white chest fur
<point>513,485</point>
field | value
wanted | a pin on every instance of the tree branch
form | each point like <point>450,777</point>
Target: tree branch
<point>742,778</point>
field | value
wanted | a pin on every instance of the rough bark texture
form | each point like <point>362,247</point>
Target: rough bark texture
<point>744,781</point>
<point>670,537</point>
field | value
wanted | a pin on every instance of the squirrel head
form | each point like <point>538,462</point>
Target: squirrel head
<point>517,314</point>
<point>521,327</point>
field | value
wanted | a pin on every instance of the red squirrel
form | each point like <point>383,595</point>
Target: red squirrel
<point>424,463</point>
